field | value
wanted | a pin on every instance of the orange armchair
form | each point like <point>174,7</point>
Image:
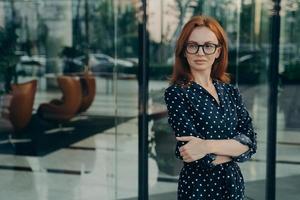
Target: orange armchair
<point>88,86</point>
<point>20,110</point>
<point>64,109</point>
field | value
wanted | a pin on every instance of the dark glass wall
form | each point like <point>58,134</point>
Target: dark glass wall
<point>69,97</point>
<point>288,123</point>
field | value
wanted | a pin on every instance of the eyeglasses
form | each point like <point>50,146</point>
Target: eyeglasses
<point>207,48</point>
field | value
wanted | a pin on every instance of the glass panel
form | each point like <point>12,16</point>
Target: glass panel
<point>246,24</point>
<point>288,124</point>
<point>251,76</point>
<point>126,92</point>
<point>163,166</point>
<point>58,137</point>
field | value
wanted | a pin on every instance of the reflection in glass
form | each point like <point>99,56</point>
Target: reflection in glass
<point>288,102</point>
<point>70,51</point>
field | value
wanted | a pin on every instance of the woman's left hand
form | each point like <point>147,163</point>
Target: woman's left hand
<point>195,149</point>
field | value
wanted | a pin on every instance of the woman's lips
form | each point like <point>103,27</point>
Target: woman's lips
<point>199,61</point>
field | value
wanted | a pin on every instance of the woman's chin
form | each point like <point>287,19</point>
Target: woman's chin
<point>200,67</point>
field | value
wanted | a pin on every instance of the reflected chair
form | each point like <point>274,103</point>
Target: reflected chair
<point>22,104</point>
<point>62,110</point>
<point>20,108</point>
<point>88,86</point>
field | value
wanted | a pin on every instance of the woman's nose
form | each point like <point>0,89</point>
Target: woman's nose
<point>200,52</point>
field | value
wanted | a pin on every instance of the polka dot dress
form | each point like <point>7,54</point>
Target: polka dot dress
<point>193,111</point>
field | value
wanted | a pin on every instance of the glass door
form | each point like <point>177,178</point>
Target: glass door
<point>69,123</point>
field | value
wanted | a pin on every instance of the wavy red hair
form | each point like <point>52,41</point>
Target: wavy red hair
<point>181,69</point>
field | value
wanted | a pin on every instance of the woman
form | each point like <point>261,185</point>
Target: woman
<point>211,124</point>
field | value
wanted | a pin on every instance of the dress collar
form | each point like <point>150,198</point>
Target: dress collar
<point>218,85</point>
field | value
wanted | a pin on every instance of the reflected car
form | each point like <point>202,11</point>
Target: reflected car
<point>103,63</point>
<point>31,65</point>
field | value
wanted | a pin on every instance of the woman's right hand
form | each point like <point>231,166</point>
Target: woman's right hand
<point>221,159</point>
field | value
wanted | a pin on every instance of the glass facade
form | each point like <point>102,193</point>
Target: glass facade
<point>71,65</point>
<point>70,87</point>
<point>288,123</point>
<point>247,24</point>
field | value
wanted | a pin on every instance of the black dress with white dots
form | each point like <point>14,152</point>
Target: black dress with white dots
<point>193,111</point>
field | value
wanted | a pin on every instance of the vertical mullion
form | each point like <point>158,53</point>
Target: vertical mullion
<point>272,103</point>
<point>143,77</point>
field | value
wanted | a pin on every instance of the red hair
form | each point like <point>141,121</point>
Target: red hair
<point>181,69</point>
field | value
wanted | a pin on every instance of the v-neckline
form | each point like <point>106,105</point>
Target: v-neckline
<point>217,101</point>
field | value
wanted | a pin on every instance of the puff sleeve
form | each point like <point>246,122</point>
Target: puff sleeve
<point>245,132</point>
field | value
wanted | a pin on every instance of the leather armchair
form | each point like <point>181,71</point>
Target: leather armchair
<point>62,110</point>
<point>16,110</point>
<point>20,110</point>
<point>88,86</point>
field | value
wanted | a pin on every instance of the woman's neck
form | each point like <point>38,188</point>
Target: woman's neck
<point>203,79</point>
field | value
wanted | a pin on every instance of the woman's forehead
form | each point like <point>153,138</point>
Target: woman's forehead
<point>202,34</point>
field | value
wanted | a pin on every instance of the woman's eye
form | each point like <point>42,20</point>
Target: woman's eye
<point>192,46</point>
<point>209,46</point>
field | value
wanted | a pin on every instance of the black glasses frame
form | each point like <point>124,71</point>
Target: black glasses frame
<point>202,46</point>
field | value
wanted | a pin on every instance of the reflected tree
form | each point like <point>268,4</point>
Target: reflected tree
<point>127,38</point>
<point>102,36</point>
<point>104,24</point>
<point>182,8</point>
<point>8,57</point>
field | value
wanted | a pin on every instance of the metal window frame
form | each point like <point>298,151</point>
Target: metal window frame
<point>143,81</point>
<point>272,102</point>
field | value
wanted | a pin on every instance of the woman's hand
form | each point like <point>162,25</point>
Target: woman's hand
<point>195,149</point>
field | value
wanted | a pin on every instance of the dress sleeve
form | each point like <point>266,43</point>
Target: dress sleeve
<point>182,123</point>
<point>246,134</point>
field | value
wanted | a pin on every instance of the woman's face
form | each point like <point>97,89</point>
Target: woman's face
<point>203,59</point>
